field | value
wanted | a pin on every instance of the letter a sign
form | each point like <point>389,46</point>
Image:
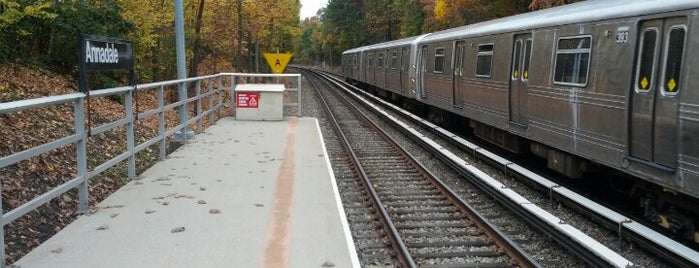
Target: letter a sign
<point>277,61</point>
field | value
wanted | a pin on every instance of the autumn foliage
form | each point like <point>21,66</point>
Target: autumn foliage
<point>346,24</point>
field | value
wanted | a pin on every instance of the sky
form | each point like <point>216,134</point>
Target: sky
<point>309,8</point>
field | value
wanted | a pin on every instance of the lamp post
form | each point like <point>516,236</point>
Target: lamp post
<point>181,70</point>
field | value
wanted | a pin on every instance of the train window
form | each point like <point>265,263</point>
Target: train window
<point>516,59</point>
<point>394,60</point>
<point>527,59</point>
<point>646,59</point>
<point>484,60</point>
<point>439,60</point>
<point>369,61</point>
<point>673,60</point>
<point>572,60</point>
<point>380,62</point>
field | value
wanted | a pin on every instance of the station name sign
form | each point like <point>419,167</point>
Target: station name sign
<point>99,53</point>
<point>104,53</point>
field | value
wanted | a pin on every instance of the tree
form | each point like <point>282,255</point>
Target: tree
<point>381,21</point>
<point>411,16</point>
<point>308,44</point>
<point>343,27</point>
<point>15,19</point>
<point>542,4</point>
<point>269,25</point>
<point>194,63</point>
<point>153,37</point>
<point>46,32</point>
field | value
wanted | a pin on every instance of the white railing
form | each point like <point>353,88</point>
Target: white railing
<point>214,92</point>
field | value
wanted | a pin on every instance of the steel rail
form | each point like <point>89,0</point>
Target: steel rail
<point>517,254</point>
<point>575,247</point>
<point>520,257</point>
<point>392,232</point>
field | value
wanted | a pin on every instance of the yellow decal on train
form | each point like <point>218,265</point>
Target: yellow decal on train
<point>672,85</point>
<point>526,74</point>
<point>644,83</point>
<point>516,73</point>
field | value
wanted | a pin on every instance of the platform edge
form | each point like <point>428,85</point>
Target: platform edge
<point>338,200</point>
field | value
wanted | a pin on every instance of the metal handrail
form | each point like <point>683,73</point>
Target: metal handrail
<point>215,93</point>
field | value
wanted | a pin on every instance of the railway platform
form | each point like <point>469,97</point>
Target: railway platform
<point>243,194</point>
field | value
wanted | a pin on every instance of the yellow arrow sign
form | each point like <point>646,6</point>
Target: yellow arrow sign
<point>277,61</point>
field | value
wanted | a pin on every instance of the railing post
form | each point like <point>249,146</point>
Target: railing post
<point>232,93</point>
<point>184,113</point>
<point>161,121</point>
<point>299,98</point>
<point>81,151</point>
<point>2,231</point>
<point>200,120</point>
<point>130,140</point>
<point>212,96</point>
<point>220,92</point>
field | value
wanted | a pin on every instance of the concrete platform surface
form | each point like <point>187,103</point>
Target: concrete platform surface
<point>243,194</point>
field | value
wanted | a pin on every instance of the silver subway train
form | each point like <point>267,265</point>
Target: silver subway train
<point>599,82</point>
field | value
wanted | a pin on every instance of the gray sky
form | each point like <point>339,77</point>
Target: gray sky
<point>309,8</point>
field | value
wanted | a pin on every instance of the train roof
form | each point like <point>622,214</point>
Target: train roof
<point>399,42</point>
<point>590,10</point>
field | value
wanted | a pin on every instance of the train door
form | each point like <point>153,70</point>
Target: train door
<point>404,67</point>
<point>653,131</point>
<point>421,71</point>
<point>458,95</point>
<point>370,68</point>
<point>388,71</point>
<point>361,67</point>
<point>354,66</point>
<point>383,72</point>
<point>518,96</point>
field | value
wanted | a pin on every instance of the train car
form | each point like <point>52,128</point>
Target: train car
<point>598,82</point>
<point>385,65</point>
<point>350,67</point>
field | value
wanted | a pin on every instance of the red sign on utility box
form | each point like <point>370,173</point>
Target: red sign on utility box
<point>247,99</point>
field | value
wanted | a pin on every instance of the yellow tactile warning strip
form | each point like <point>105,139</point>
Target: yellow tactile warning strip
<point>278,237</point>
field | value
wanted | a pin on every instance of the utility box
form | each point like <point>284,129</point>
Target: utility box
<point>259,102</point>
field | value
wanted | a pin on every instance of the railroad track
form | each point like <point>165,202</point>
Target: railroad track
<point>427,224</point>
<point>653,243</point>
